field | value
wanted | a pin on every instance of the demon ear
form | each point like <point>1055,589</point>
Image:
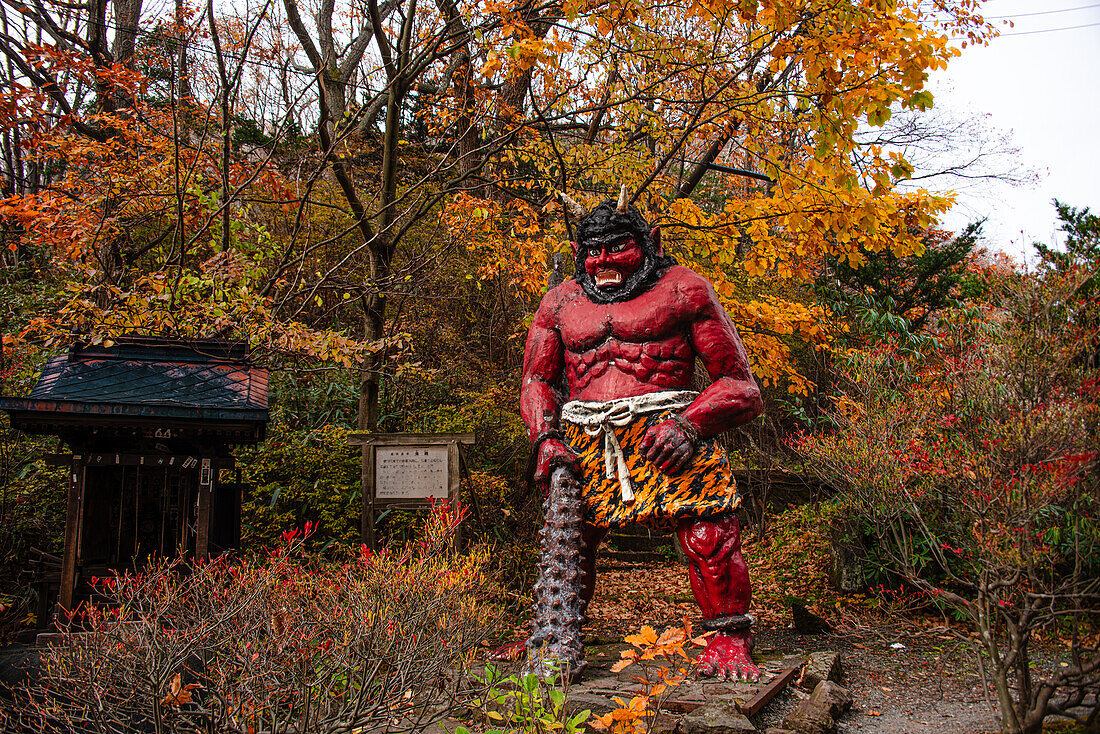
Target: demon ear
<point>574,246</point>
<point>655,235</point>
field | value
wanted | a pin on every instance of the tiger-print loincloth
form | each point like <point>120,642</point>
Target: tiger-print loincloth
<point>703,488</point>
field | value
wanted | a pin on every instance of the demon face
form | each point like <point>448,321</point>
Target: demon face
<point>617,257</point>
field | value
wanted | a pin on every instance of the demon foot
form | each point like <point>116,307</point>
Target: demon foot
<point>728,656</point>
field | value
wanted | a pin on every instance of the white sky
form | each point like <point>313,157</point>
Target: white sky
<point>1043,88</point>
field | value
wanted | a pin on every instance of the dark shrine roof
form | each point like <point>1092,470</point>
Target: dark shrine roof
<point>145,378</point>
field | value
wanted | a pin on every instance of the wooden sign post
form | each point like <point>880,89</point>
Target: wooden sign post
<point>407,470</point>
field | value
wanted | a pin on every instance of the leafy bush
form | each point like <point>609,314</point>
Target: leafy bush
<point>32,496</point>
<point>32,515</point>
<point>976,466</point>
<point>297,476</point>
<point>793,556</point>
<point>526,703</point>
<point>667,668</point>
<point>306,396</point>
<point>280,642</point>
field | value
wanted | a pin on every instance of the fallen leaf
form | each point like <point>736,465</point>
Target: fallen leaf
<point>179,694</point>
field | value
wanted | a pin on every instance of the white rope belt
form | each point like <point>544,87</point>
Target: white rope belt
<point>597,417</point>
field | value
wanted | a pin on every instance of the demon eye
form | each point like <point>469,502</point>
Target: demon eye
<point>617,247</point>
<point>593,252</point>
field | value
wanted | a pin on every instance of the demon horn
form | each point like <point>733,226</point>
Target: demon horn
<point>574,208</point>
<point>624,199</point>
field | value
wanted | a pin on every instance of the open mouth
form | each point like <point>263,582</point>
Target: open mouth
<point>605,278</point>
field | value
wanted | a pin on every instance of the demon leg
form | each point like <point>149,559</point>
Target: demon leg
<point>720,581</point>
<point>591,537</point>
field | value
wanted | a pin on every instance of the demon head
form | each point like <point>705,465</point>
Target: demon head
<point>617,255</point>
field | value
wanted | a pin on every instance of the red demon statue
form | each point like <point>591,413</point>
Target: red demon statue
<point>609,358</point>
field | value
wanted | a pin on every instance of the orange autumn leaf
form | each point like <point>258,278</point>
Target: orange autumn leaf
<point>645,636</point>
<point>623,664</point>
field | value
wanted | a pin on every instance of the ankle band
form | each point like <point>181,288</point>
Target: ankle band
<point>729,623</point>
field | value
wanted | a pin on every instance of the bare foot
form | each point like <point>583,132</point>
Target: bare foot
<point>728,656</point>
<point>512,651</point>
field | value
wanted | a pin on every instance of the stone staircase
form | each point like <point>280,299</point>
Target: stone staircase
<point>636,543</point>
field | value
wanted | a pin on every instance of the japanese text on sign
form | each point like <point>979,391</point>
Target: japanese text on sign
<point>411,472</point>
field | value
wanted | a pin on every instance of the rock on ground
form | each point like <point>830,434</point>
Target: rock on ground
<point>716,718</point>
<point>823,665</point>
<point>837,699</point>
<point>818,713</point>
<point>579,701</point>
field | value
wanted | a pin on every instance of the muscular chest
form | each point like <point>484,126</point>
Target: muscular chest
<point>585,325</point>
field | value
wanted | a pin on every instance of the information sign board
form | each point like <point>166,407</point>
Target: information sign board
<point>407,470</point>
<point>411,472</point>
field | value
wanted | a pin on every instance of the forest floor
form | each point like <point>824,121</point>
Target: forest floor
<point>907,672</point>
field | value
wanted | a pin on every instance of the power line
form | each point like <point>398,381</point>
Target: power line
<point>1041,12</point>
<point>289,68</point>
<point>1052,30</point>
<point>192,45</point>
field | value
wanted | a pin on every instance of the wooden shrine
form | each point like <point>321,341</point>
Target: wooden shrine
<point>149,424</point>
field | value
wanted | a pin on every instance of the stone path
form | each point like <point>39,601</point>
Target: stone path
<point>599,681</point>
<point>693,707</point>
<point>920,690</point>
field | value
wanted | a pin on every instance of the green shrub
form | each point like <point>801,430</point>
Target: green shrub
<point>298,476</point>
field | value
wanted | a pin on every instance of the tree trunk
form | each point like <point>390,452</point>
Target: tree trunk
<point>374,320</point>
<point>127,14</point>
<point>223,98</point>
<point>184,72</point>
<point>381,245</point>
<point>96,39</point>
<point>540,19</point>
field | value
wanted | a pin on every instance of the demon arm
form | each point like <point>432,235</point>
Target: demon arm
<point>731,400</point>
<point>734,397</point>
<point>543,360</point>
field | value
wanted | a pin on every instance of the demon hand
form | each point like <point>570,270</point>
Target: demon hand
<point>553,452</point>
<point>670,444</point>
